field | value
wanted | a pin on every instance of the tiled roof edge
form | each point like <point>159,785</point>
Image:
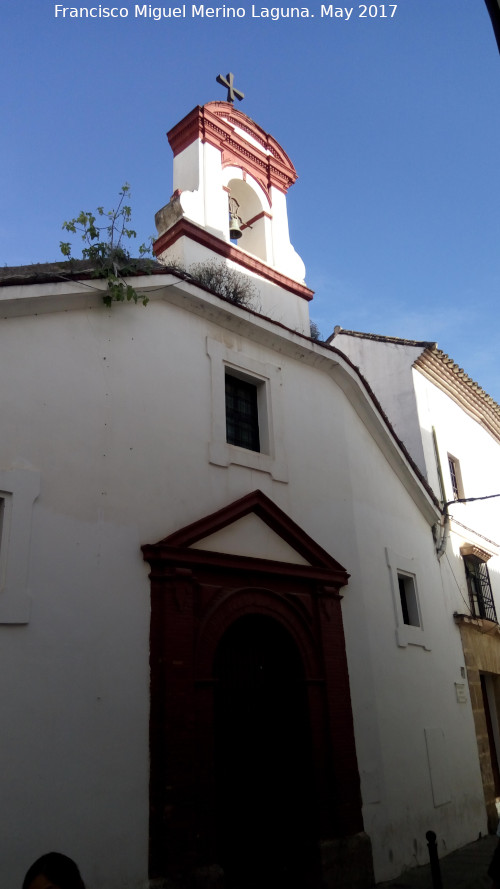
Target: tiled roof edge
<point>443,371</point>
<point>71,270</point>
<point>378,337</point>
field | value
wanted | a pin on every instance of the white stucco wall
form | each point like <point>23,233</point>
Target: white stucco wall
<point>408,697</point>
<point>113,408</point>
<point>387,366</point>
<point>478,454</point>
<point>267,298</point>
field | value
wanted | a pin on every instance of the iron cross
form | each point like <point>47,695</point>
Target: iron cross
<point>232,92</point>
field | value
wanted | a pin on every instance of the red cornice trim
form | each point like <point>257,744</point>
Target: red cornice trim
<point>215,122</point>
<point>185,228</point>
<point>193,558</point>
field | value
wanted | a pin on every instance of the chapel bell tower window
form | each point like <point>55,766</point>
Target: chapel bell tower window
<point>248,219</point>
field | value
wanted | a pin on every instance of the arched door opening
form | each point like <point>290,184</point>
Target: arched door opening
<point>265,828</point>
<point>253,760</point>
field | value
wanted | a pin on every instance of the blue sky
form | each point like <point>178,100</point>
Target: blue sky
<point>393,125</point>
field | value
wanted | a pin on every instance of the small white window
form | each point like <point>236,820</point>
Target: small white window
<point>410,623</point>
<point>408,597</point>
<point>457,487</point>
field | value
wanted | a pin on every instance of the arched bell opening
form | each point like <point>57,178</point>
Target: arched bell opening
<point>247,219</point>
<point>266,832</point>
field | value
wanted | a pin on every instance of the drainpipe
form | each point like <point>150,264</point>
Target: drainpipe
<point>445,525</point>
<point>441,547</point>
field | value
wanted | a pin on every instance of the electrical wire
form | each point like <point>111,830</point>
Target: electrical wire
<point>466,528</point>
<point>469,499</point>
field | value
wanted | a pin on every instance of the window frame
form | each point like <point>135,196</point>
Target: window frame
<point>249,426</point>
<point>268,380</point>
<point>405,568</point>
<point>484,596</point>
<point>408,598</point>
<point>457,488</point>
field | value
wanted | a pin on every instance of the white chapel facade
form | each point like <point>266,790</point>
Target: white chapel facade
<point>223,606</point>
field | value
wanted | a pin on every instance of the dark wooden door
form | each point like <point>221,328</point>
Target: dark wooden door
<point>491,737</point>
<point>265,822</point>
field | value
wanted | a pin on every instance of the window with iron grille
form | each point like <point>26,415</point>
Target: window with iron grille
<point>479,586</point>
<point>242,413</point>
<point>256,428</point>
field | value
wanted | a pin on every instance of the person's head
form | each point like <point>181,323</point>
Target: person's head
<point>53,871</point>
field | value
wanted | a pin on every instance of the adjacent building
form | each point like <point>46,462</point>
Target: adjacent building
<point>451,428</point>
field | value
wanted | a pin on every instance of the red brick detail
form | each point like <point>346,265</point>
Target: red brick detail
<point>185,228</point>
<point>194,601</point>
<point>215,122</point>
<point>339,711</point>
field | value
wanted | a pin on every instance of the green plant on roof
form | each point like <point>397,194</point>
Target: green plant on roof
<point>106,233</point>
<point>224,281</point>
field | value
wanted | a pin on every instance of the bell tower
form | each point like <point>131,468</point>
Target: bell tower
<point>231,179</point>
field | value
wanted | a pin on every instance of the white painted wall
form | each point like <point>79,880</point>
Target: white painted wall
<point>114,408</point>
<point>285,256</point>
<point>269,299</point>
<point>409,690</point>
<point>388,369</point>
<point>478,453</point>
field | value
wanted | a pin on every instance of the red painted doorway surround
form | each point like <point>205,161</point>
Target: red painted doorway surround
<point>211,610</point>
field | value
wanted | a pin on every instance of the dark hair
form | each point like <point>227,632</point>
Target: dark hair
<point>59,869</point>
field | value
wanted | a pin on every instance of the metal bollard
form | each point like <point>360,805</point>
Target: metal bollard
<point>434,860</point>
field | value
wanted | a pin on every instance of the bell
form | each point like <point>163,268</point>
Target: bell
<point>234,227</point>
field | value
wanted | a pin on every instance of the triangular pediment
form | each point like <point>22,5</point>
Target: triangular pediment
<point>254,529</point>
<point>251,537</point>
